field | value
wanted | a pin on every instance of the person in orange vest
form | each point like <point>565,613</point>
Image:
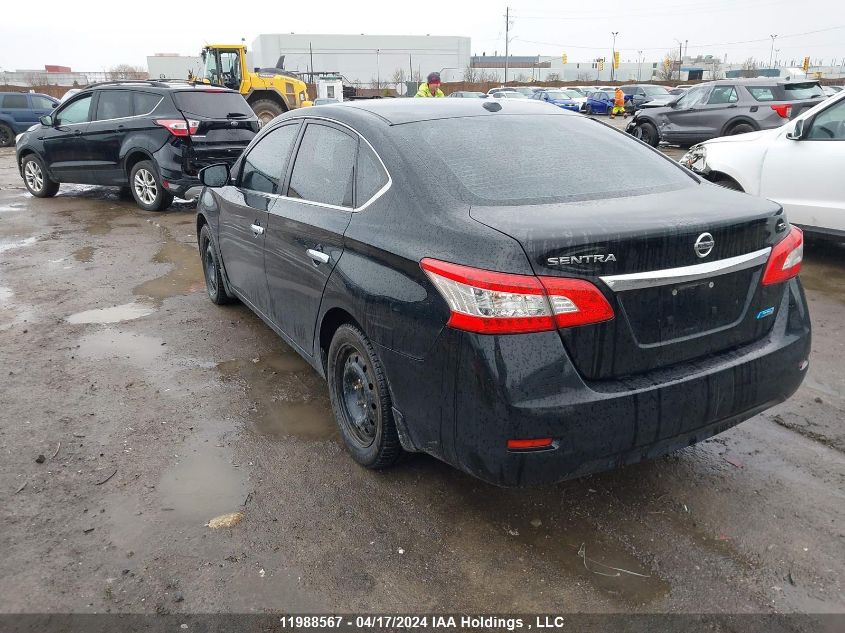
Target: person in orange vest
<point>618,104</point>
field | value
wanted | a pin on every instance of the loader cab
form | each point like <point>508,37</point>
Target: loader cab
<point>223,67</point>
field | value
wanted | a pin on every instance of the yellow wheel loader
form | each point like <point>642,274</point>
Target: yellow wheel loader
<point>268,91</point>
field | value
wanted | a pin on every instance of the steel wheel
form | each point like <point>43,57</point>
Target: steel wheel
<point>210,271</point>
<point>359,398</point>
<point>33,175</point>
<point>145,186</point>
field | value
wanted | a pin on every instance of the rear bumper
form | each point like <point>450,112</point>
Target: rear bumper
<point>525,386</point>
<point>179,163</point>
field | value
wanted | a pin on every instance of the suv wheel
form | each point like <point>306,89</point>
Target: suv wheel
<point>7,136</point>
<point>360,399</point>
<point>147,189</point>
<point>211,270</point>
<point>741,128</point>
<point>648,134</point>
<point>35,178</point>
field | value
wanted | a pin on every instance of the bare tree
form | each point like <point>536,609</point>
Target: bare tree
<point>749,64</point>
<point>398,76</point>
<point>667,68</point>
<point>522,78</point>
<point>585,76</point>
<point>126,71</point>
<point>470,74</point>
<point>553,77</point>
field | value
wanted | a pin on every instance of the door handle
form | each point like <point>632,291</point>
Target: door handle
<point>318,257</point>
<point>256,229</point>
<point>77,132</point>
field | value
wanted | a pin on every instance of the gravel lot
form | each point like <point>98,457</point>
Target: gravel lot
<point>155,411</point>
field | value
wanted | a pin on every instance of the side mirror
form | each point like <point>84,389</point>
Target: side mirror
<point>46,120</point>
<point>797,131</point>
<point>215,175</point>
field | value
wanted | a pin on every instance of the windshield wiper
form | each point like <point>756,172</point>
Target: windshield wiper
<point>235,115</point>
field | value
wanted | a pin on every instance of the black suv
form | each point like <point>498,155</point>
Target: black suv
<point>148,137</point>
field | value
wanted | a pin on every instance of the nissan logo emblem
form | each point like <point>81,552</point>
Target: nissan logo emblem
<point>704,245</point>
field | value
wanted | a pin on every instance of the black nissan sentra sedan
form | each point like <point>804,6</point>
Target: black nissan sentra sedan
<point>524,319</point>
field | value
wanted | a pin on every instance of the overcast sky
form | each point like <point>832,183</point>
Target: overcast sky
<point>98,35</point>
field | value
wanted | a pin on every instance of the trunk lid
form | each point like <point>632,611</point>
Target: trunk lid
<point>667,312</point>
<point>226,126</point>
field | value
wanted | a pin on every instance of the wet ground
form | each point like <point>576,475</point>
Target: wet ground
<point>134,411</point>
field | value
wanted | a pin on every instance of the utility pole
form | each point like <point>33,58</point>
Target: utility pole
<point>378,70</point>
<point>311,53</point>
<point>639,64</point>
<point>507,40</point>
<point>680,58</point>
<point>613,55</point>
<point>772,51</point>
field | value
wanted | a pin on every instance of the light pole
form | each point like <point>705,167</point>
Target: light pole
<point>680,57</point>
<point>772,52</point>
<point>613,55</point>
<point>639,64</point>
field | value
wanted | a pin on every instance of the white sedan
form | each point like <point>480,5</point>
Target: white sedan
<point>800,165</point>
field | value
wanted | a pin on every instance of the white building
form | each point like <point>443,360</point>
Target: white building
<point>365,59</point>
<point>172,66</point>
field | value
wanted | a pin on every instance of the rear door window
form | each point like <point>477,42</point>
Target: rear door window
<point>75,112</point>
<point>114,104</point>
<point>264,166</point>
<point>15,101</point>
<point>804,90</point>
<point>212,104</point>
<point>324,166</point>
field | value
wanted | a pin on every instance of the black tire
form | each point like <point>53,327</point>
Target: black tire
<point>648,134</point>
<point>741,128</point>
<point>361,400</point>
<point>266,110</point>
<point>588,109</point>
<point>7,136</point>
<point>35,178</point>
<point>147,189</point>
<point>211,269</point>
<point>728,183</point>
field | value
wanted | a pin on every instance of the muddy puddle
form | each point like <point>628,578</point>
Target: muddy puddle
<point>281,396</point>
<point>185,276</point>
<point>557,539</point>
<point>84,254</point>
<point>114,314</point>
<point>203,483</point>
<point>115,344</point>
<point>823,269</point>
<point>9,244</point>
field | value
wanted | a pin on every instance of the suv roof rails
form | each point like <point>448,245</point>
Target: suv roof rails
<point>157,83</point>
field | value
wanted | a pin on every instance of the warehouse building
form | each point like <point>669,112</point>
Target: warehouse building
<point>365,59</point>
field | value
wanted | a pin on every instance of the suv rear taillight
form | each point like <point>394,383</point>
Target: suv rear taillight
<point>785,259</point>
<point>502,303</point>
<point>179,127</point>
<point>784,110</point>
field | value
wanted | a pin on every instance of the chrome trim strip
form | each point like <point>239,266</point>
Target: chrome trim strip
<point>683,274</point>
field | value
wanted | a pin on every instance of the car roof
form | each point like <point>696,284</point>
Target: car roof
<point>399,111</point>
<point>161,84</point>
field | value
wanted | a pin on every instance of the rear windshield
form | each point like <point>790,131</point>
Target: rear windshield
<point>535,159</point>
<point>807,90</point>
<point>212,104</point>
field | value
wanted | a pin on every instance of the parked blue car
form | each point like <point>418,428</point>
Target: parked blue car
<point>560,98</point>
<point>21,110</point>
<point>601,102</point>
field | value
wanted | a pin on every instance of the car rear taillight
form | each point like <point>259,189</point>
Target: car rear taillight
<point>785,259</point>
<point>490,302</point>
<point>179,127</point>
<point>784,110</point>
<point>531,444</point>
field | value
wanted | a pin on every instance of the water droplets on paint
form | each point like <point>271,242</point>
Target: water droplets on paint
<point>114,314</point>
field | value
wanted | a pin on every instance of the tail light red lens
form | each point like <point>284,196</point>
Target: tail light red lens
<point>784,110</point>
<point>179,127</point>
<point>490,302</point>
<point>523,445</point>
<point>786,257</point>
